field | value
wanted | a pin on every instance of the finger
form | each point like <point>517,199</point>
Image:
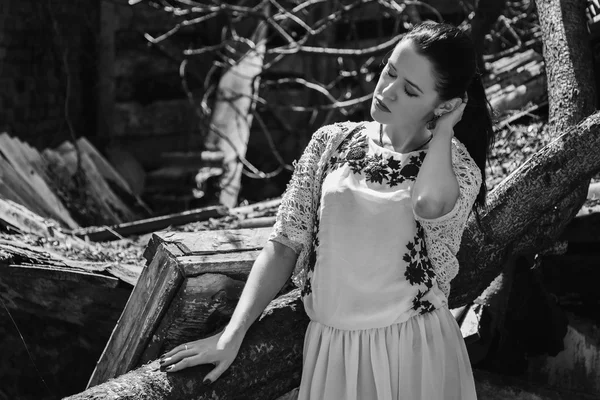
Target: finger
<point>217,372</point>
<point>176,350</point>
<point>165,362</point>
<point>188,362</point>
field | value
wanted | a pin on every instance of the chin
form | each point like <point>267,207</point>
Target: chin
<point>379,116</point>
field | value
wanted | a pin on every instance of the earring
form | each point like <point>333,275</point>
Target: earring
<point>432,122</point>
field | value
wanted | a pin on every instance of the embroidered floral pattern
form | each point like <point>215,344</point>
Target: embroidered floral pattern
<point>419,270</point>
<point>377,168</point>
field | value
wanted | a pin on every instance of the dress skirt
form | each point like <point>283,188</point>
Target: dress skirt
<point>423,358</point>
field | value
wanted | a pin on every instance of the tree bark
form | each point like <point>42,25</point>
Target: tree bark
<point>520,206</point>
<point>568,57</point>
<point>233,113</point>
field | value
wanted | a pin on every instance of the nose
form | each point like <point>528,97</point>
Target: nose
<point>389,91</point>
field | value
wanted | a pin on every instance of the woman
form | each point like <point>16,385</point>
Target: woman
<point>370,225</point>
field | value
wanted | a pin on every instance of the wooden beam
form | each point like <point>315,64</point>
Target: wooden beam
<point>222,241</point>
<point>114,232</point>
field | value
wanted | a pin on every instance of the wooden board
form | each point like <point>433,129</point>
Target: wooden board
<point>236,265</point>
<point>104,168</point>
<point>112,207</point>
<point>210,242</point>
<point>22,219</point>
<point>18,158</point>
<point>13,187</point>
<point>99,234</point>
<point>150,299</point>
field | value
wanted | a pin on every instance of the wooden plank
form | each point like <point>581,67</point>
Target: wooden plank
<point>23,219</point>
<point>129,273</point>
<point>191,159</point>
<point>113,208</point>
<point>260,222</point>
<point>98,234</point>
<point>145,308</point>
<point>235,265</point>
<point>260,206</point>
<point>210,242</point>
<point>104,194</point>
<point>17,157</point>
<point>19,190</point>
<point>105,169</point>
<point>153,245</point>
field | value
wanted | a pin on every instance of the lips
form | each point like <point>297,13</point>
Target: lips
<point>381,105</point>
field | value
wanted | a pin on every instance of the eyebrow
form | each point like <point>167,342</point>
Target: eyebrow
<point>409,82</point>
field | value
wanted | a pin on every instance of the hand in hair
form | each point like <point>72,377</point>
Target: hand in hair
<point>448,120</point>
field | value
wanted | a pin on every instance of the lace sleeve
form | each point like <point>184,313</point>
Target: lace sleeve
<point>293,221</point>
<point>443,234</point>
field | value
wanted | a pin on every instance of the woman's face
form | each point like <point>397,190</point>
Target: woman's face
<point>405,94</point>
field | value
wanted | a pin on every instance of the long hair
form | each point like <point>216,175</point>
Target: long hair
<point>454,60</point>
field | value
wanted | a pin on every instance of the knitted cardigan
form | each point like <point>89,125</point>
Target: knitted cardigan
<point>297,217</point>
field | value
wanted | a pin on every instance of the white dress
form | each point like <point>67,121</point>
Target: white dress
<point>380,326</point>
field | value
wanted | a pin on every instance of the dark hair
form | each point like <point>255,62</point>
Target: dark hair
<point>454,59</point>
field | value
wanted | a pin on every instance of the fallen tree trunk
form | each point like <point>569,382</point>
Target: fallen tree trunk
<point>511,225</point>
<point>268,365</point>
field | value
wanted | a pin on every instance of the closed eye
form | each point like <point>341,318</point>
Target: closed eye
<point>388,70</point>
<point>408,93</point>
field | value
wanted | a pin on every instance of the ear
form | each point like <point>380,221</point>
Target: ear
<point>448,106</point>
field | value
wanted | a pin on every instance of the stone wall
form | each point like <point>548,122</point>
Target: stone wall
<point>47,68</point>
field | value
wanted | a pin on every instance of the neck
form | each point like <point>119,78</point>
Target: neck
<point>406,138</point>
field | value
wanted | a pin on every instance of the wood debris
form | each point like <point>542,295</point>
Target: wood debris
<point>71,186</point>
<point>515,81</point>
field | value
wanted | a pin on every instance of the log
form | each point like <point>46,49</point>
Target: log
<point>267,366</point>
<point>536,190</point>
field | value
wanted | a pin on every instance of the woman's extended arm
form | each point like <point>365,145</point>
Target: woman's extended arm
<point>269,273</point>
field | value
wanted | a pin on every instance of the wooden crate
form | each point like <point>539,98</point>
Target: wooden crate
<point>188,290</point>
